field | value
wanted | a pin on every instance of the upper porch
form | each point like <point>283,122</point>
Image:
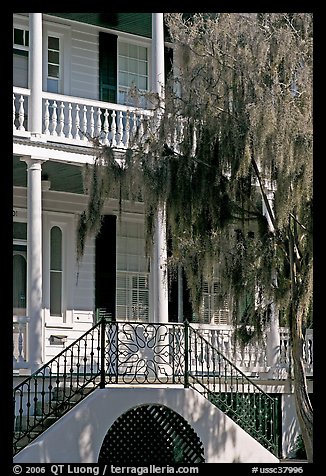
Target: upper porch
<point>68,121</point>
<point>72,74</point>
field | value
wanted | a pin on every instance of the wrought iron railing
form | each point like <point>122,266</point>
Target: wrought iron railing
<point>140,353</point>
<point>227,387</point>
<point>55,387</point>
<point>144,353</point>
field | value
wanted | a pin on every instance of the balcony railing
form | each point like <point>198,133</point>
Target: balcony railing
<point>77,121</point>
<point>252,358</point>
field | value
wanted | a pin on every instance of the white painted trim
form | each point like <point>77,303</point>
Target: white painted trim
<point>65,222</point>
<point>53,154</point>
<point>21,214</point>
<point>64,34</point>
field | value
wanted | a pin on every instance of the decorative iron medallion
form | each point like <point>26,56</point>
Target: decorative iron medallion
<point>151,434</point>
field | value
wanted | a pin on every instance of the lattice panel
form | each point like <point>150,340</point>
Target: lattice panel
<point>151,434</point>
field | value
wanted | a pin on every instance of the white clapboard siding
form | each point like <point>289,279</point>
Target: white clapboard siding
<point>84,286</point>
<point>20,71</point>
<point>84,62</point>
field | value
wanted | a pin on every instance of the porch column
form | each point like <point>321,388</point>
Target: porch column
<point>34,262</point>
<point>273,340</point>
<point>180,293</point>
<point>160,278</point>
<point>35,75</point>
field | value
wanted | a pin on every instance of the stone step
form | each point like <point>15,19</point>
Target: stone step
<point>57,407</point>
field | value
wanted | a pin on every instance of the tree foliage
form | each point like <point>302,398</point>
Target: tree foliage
<point>235,125</point>
<point>242,97</point>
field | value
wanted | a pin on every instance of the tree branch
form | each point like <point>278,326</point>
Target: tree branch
<point>266,202</point>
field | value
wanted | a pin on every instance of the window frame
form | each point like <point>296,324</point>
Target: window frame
<point>65,221</point>
<point>132,311</point>
<point>21,50</point>
<point>125,89</point>
<point>17,46</point>
<point>63,32</point>
<point>56,271</point>
<point>20,216</point>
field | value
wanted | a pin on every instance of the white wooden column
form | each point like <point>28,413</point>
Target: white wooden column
<point>159,270</point>
<point>273,340</point>
<point>34,262</point>
<point>35,75</point>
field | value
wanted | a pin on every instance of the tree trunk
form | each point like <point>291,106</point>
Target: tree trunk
<point>302,402</point>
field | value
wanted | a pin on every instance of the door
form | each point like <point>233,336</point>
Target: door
<point>105,267</point>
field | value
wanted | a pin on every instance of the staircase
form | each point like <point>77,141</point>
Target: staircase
<point>140,353</point>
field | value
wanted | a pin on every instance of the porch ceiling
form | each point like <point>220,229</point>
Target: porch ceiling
<point>134,23</point>
<point>63,177</point>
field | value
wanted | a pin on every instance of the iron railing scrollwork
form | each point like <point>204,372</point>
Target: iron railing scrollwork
<point>113,352</point>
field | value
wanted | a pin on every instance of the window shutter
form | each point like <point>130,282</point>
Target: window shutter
<point>108,67</point>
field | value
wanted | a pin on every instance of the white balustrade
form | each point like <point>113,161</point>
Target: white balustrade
<point>69,127</point>
<point>46,118</point>
<point>308,351</point>
<point>252,358</point>
<point>14,113</point>
<point>76,120</point>
<point>71,120</point>
<point>61,120</point>
<point>20,110</point>
<point>19,342</point>
<point>54,121</point>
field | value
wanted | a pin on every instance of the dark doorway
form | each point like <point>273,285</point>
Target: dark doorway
<point>105,267</point>
<point>108,67</point>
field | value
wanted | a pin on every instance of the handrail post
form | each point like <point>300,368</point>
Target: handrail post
<point>102,351</point>
<point>186,337</point>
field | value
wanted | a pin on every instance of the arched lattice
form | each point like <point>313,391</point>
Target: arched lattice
<point>151,434</point>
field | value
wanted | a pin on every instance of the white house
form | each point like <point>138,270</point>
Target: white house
<point>71,76</point>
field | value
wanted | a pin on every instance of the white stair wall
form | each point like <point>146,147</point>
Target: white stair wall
<point>78,436</point>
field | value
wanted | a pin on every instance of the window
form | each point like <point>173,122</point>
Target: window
<point>56,271</point>
<point>20,57</point>
<point>132,297</point>
<point>58,268</point>
<point>214,307</point>
<point>19,280</point>
<point>21,38</point>
<point>53,60</point>
<point>19,268</point>
<point>132,70</point>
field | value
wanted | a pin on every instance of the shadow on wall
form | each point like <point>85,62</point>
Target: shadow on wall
<point>79,435</point>
<point>290,427</point>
